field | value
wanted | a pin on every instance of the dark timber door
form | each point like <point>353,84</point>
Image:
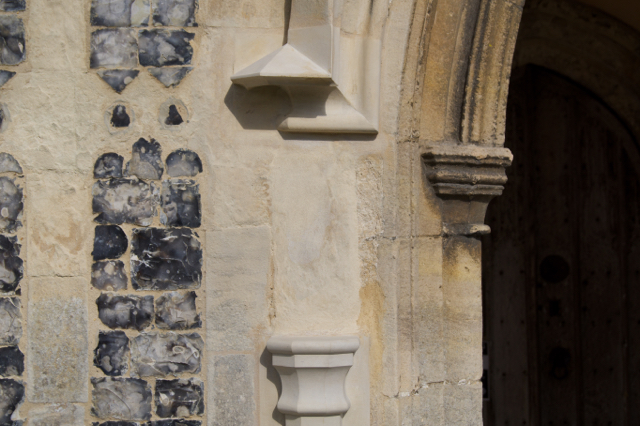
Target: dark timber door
<point>561,268</point>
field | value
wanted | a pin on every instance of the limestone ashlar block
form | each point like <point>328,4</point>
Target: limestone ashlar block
<point>154,354</point>
<point>146,160</point>
<point>131,312</point>
<point>11,396</point>
<point>121,398</point>
<point>126,200</point>
<point>177,311</point>
<point>109,275</point>
<point>175,13</point>
<point>112,353</point>
<point>114,48</point>
<point>110,242</point>
<point>175,422</point>
<point>231,382</point>
<point>183,163</point>
<point>56,415</point>
<point>165,259</point>
<point>12,5</point>
<point>108,165</point>
<point>180,203</point>
<point>8,164</point>
<point>179,398</point>
<point>11,205</point>
<point>11,268</point>
<point>120,13</point>
<point>160,48</point>
<point>10,321</point>
<point>11,361</point>
<point>12,44</point>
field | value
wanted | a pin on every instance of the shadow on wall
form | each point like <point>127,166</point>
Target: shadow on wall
<point>273,377</point>
<point>262,108</point>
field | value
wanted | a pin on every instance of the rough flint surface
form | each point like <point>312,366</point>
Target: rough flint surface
<point>10,205</point>
<point>179,398</point>
<point>11,361</point>
<point>183,162</point>
<point>119,13</point>
<point>114,48</point>
<point>127,200</point>
<point>5,76</point>
<point>170,76</point>
<point>120,398</point>
<point>112,353</point>
<point>12,45</point>
<point>8,164</point>
<point>175,422</point>
<point>108,165</point>
<point>10,264</point>
<point>11,396</point>
<point>109,275</point>
<point>155,354</point>
<point>10,321</point>
<point>165,259</point>
<point>175,13</point>
<point>180,203</point>
<point>146,160</point>
<point>115,424</point>
<point>159,48</point>
<point>12,5</point>
<point>119,117</point>
<point>173,117</point>
<point>118,79</point>
<point>133,312</point>
<point>177,311</point>
<point>110,242</point>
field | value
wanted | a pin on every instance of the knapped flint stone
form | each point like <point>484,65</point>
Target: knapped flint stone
<point>165,259</point>
<point>119,117</point>
<point>8,164</point>
<point>180,203</point>
<point>170,76</point>
<point>175,422</point>
<point>108,165</point>
<point>12,45</point>
<point>120,13</point>
<point>5,76</point>
<point>11,396</point>
<point>183,162</point>
<point>12,5</point>
<point>175,13</point>
<point>179,398</point>
<point>133,312</point>
<point>10,264</point>
<point>11,361</point>
<point>121,399</point>
<point>10,205</point>
<point>160,48</point>
<point>109,275</point>
<point>110,242</point>
<point>115,424</point>
<point>118,79</point>
<point>10,321</point>
<point>173,118</point>
<point>146,160</point>
<point>112,353</point>
<point>160,355</point>
<point>126,200</point>
<point>114,48</point>
<point>177,311</point>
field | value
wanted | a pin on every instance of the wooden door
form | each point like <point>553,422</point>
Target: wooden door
<point>561,268</point>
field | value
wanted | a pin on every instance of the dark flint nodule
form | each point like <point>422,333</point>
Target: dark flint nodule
<point>108,165</point>
<point>118,79</point>
<point>114,48</point>
<point>132,312</point>
<point>180,203</point>
<point>177,311</point>
<point>174,118</point>
<point>12,45</point>
<point>110,242</point>
<point>183,162</point>
<point>170,76</point>
<point>112,353</point>
<point>165,259</point>
<point>10,264</point>
<point>12,5</point>
<point>8,164</point>
<point>175,13</point>
<point>10,321</point>
<point>154,354</point>
<point>11,396</point>
<point>120,398</point>
<point>109,275</point>
<point>179,398</point>
<point>127,200</point>
<point>119,13</point>
<point>160,48</point>
<point>175,422</point>
<point>5,76</point>
<point>10,205</point>
<point>1,117</point>
<point>11,361</point>
<point>146,160</point>
<point>115,424</point>
<point>119,117</point>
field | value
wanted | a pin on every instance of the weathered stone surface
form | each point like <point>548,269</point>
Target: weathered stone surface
<point>175,13</point>
<point>126,200</point>
<point>118,79</point>
<point>165,259</point>
<point>177,311</point>
<point>165,47</point>
<point>120,398</point>
<point>11,270</point>
<point>110,242</point>
<point>12,45</point>
<point>8,164</point>
<point>180,203</point>
<point>11,205</point>
<point>112,353</point>
<point>3,118</point>
<point>179,398</point>
<point>56,415</point>
<point>12,5</point>
<point>116,424</point>
<point>5,76</point>
<point>133,312</point>
<point>108,165</point>
<point>146,161</point>
<point>170,76</point>
<point>183,162</point>
<point>109,275</point>
<point>11,361</point>
<point>119,13</point>
<point>154,354</point>
<point>114,48</point>
<point>10,321</point>
<point>175,422</point>
<point>11,396</point>
<point>119,117</point>
<point>231,381</point>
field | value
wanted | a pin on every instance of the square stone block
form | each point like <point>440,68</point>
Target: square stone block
<point>12,45</point>
<point>114,48</point>
<point>165,47</point>
<point>120,13</point>
<point>175,13</point>
<point>122,399</point>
